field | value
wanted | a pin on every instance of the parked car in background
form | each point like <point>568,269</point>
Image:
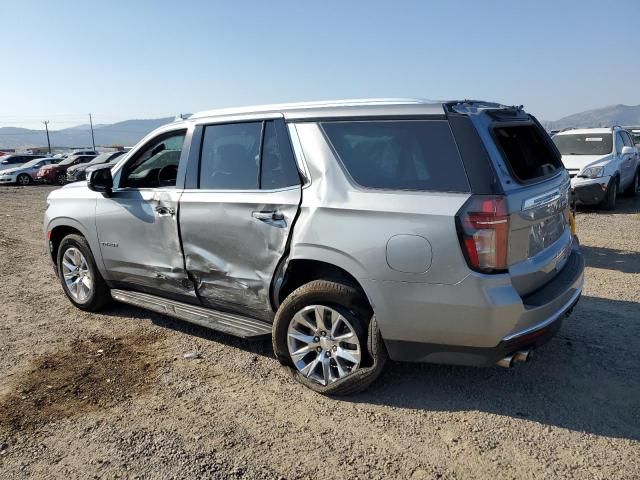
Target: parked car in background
<point>16,159</point>
<point>57,173</point>
<point>602,163</point>
<point>78,172</point>
<point>635,134</point>
<point>347,231</point>
<point>25,173</point>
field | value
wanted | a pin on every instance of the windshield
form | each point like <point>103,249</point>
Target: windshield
<point>67,161</point>
<point>32,163</point>
<point>102,158</point>
<point>584,143</point>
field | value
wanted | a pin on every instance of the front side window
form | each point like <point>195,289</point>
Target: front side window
<point>584,143</point>
<point>399,154</point>
<point>157,164</point>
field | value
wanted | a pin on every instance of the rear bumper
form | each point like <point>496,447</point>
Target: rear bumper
<point>589,191</point>
<point>503,322</point>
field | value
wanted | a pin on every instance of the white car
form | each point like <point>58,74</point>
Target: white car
<point>24,174</point>
<point>602,163</point>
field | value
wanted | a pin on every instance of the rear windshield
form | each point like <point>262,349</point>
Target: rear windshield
<point>399,154</point>
<point>584,144</point>
<point>527,152</point>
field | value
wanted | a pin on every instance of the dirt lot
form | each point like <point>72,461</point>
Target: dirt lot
<point>111,396</point>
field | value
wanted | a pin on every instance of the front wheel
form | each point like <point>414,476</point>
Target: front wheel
<point>23,179</point>
<point>609,202</point>
<point>61,179</point>
<point>79,276</point>
<point>326,333</point>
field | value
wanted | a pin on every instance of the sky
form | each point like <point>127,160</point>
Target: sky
<point>147,59</point>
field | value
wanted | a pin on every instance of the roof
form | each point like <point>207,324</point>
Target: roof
<point>334,109</point>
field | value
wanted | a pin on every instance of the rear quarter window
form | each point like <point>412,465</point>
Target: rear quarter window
<point>399,154</point>
<point>527,151</point>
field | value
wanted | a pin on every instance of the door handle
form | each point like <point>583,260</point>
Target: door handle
<point>165,211</point>
<point>272,217</point>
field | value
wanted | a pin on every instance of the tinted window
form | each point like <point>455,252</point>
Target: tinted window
<point>527,151</point>
<point>399,154</point>
<point>626,139</point>
<point>584,143</point>
<point>157,164</point>
<point>619,142</point>
<point>278,164</point>
<point>230,156</point>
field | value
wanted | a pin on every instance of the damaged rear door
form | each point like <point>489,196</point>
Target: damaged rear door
<point>236,219</point>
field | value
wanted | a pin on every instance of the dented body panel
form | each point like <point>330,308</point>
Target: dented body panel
<point>139,239</point>
<point>233,242</point>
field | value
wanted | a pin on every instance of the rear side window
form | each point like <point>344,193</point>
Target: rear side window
<point>231,157</point>
<point>399,154</point>
<point>527,152</point>
<point>278,164</point>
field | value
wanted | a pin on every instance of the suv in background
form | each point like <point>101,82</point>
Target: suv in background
<point>15,160</point>
<point>57,173</point>
<point>602,162</point>
<point>348,231</point>
<point>77,172</point>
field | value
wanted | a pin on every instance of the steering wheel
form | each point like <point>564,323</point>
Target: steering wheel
<point>167,175</point>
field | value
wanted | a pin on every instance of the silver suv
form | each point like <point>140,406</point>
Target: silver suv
<point>350,232</point>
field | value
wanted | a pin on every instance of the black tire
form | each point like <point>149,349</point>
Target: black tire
<point>23,179</point>
<point>100,295</point>
<point>350,303</point>
<point>609,202</point>
<point>632,190</point>
<point>61,179</point>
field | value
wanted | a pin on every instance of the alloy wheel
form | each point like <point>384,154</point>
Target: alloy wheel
<point>23,179</point>
<point>76,273</point>
<point>323,345</point>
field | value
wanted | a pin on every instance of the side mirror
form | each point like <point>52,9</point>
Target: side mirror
<point>100,180</point>
<point>627,150</point>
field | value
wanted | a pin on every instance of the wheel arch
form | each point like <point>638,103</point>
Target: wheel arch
<point>61,227</point>
<point>308,263</point>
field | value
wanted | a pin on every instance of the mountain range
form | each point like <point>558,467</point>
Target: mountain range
<point>129,132</point>
<point>126,133</point>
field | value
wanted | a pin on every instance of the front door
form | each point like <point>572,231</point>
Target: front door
<point>236,221</point>
<point>138,225</point>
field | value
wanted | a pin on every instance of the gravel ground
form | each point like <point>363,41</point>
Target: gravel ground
<point>111,396</point>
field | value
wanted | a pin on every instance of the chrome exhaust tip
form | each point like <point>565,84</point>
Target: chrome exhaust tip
<point>506,362</point>
<point>523,355</point>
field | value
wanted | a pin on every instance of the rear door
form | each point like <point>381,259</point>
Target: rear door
<point>236,218</point>
<point>536,186</point>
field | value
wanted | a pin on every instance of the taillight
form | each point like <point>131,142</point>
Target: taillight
<point>483,228</point>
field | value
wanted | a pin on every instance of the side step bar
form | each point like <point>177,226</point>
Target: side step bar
<point>229,323</point>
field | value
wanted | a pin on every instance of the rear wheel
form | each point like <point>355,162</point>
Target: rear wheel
<point>79,276</point>
<point>61,179</point>
<point>326,333</point>
<point>609,202</point>
<point>23,179</point>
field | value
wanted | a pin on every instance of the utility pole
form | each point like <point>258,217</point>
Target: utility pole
<point>46,127</point>
<point>93,140</point>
